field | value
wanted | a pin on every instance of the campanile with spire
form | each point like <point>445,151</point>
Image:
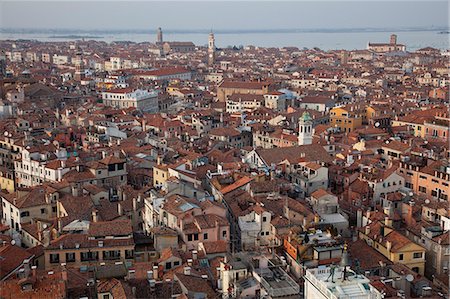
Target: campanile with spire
<point>211,49</point>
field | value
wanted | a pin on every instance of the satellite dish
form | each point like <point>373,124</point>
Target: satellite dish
<point>6,133</point>
<point>13,242</point>
<point>427,201</point>
<point>409,277</point>
<point>377,124</point>
<point>44,226</point>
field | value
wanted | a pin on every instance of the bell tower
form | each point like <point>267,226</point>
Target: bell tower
<point>211,49</point>
<point>79,65</point>
<point>305,130</point>
<point>159,36</point>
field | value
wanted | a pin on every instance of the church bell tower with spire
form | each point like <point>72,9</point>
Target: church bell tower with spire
<point>211,49</point>
<point>305,130</point>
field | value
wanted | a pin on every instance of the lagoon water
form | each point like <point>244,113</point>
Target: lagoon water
<point>325,40</point>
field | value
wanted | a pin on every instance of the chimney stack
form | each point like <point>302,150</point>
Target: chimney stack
<point>63,271</point>
<point>194,255</point>
<point>388,246</point>
<point>155,272</point>
<point>187,270</point>
<point>119,209</point>
<point>131,274</point>
<point>94,215</point>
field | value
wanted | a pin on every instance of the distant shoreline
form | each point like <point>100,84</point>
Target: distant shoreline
<point>76,36</point>
<point>81,32</point>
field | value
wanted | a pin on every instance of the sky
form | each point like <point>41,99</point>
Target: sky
<point>221,15</point>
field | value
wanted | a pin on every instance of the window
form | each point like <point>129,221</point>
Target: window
<point>105,296</point>
<point>25,214</point>
<point>205,236</point>
<point>129,254</point>
<point>422,189</point>
<point>195,237</point>
<point>168,265</point>
<point>190,237</point>
<point>89,256</point>
<point>264,219</point>
<point>417,255</point>
<point>400,257</point>
<point>43,211</point>
<point>176,263</point>
<point>224,234</point>
<point>70,257</point>
<point>54,258</point>
<point>111,255</point>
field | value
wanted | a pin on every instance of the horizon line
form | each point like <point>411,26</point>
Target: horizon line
<point>231,30</point>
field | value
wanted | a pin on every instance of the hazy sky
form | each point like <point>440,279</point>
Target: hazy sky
<point>221,14</point>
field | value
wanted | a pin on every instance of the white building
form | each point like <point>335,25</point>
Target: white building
<point>126,98</point>
<point>309,178</point>
<point>275,100</point>
<point>60,59</point>
<point>383,182</point>
<point>36,167</point>
<point>255,228</point>
<point>170,73</point>
<point>319,284</point>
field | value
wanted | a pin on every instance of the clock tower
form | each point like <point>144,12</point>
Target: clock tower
<point>211,49</point>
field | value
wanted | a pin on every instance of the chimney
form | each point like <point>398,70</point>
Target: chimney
<point>187,271</point>
<point>74,191</point>
<point>194,255</point>
<point>388,246</point>
<point>33,271</point>
<point>189,261</point>
<point>94,215</point>
<point>26,267</point>
<point>218,272</point>
<point>387,222</point>
<point>155,272</point>
<point>131,274</point>
<point>409,214</point>
<point>134,204</point>
<point>359,218</point>
<point>119,209</point>
<point>63,271</point>
<point>367,230</point>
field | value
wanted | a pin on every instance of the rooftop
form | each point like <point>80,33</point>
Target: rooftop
<point>354,286</point>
